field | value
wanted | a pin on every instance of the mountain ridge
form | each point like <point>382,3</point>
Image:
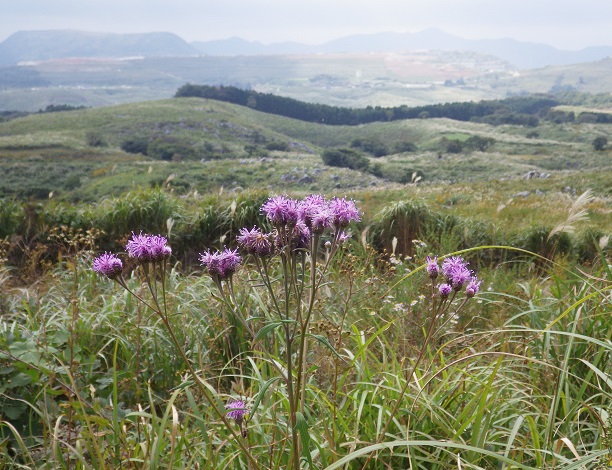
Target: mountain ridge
<point>29,46</point>
<point>521,54</point>
<point>33,46</point>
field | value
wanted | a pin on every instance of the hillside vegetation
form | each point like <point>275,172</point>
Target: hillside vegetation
<point>190,283</point>
<point>502,175</point>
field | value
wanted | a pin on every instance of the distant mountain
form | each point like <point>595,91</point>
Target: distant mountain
<point>26,46</point>
<point>521,54</point>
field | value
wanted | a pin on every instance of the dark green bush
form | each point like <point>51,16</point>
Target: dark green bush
<point>404,147</point>
<point>135,145</point>
<point>600,143</point>
<point>372,146</point>
<point>169,148</point>
<point>345,158</point>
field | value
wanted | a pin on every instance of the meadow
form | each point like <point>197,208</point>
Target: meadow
<point>330,351</point>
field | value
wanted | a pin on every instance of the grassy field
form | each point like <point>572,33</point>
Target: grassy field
<point>328,355</point>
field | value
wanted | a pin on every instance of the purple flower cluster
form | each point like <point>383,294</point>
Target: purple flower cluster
<point>281,211</point>
<point>255,241</point>
<point>108,264</point>
<point>238,410</point>
<point>299,237</point>
<point>314,212</point>
<point>221,265</point>
<point>456,273</point>
<point>344,212</point>
<point>148,247</point>
<point>295,221</point>
<point>142,247</point>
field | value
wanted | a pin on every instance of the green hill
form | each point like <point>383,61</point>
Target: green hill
<point>203,145</point>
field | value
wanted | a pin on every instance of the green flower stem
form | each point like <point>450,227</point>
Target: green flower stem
<point>207,394</point>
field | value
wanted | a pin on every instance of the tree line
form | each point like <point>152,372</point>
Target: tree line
<point>519,110</point>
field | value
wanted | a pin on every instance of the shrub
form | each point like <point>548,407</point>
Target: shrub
<point>478,143</point>
<point>372,146</point>
<point>95,139</point>
<point>600,143</point>
<point>404,146</point>
<point>168,148</point>
<point>451,145</point>
<point>277,145</point>
<point>345,158</point>
<point>135,145</point>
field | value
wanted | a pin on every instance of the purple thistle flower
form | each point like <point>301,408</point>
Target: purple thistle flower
<point>472,288</point>
<point>158,247</point>
<point>148,247</point>
<point>281,210</point>
<point>221,265</point>
<point>138,246</point>
<point>343,212</point>
<point>299,237</point>
<point>444,290</point>
<point>108,264</point>
<point>343,237</point>
<point>432,267</point>
<point>456,271</point>
<point>315,212</point>
<point>255,241</point>
<point>238,410</point>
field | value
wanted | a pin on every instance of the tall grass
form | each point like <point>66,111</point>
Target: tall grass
<point>520,378</point>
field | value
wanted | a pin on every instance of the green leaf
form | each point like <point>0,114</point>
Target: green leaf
<point>19,380</point>
<point>262,392</point>
<point>325,342</point>
<point>271,327</point>
<point>266,329</point>
<point>302,427</point>
<point>14,410</point>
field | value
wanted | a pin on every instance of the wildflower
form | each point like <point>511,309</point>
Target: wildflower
<point>281,210</point>
<point>255,241</point>
<point>137,246</point>
<point>299,237</point>
<point>344,212</point>
<point>456,271</point>
<point>148,247</point>
<point>444,290</point>
<point>472,288</point>
<point>221,265</point>
<point>158,247</point>
<point>108,265</point>
<point>238,411</point>
<point>432,267</point>
<point>315,212</point>
<point>343,237</point>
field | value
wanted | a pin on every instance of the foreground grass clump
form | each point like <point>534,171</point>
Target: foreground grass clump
<point>306,349</point>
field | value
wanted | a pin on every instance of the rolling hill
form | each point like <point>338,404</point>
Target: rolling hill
<point>205,145</point>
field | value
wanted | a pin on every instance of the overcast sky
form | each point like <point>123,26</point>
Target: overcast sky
<point>566,24</point>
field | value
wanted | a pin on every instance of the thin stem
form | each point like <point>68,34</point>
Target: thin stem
<point>404,389</point>
<point>207,394</point>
